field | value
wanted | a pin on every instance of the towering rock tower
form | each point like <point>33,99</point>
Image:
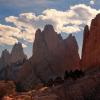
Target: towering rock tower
<point>17,53</point>
<point>91,45</point>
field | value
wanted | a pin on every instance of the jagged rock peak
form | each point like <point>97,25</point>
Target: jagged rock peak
<point>97,17</point>
<point>17,45</point>
<point>5,58</point>
<point>95,22</point>
<point>86,29</point>
<point>17,48</point>
<point>86,34</point>
<point>85,38</point>
<point>51,57</point>
<point>71,37</point>
<point>91,44</point>
<point>71,40</point>
<point>17,53</point>
<point>5,53</point>
<point>48,27</point>
<point>38,33</point>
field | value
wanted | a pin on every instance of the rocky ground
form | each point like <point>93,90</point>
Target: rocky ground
<point>85,88</point>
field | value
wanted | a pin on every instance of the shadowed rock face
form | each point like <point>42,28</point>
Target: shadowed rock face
<point>17,53</point>
<point>5,59</point>
<point>72,56</point>
<point>10,64</point>
<point>85,88</point>
<point>51,56</point>
<point>50,47</point>
<point>91,44</point>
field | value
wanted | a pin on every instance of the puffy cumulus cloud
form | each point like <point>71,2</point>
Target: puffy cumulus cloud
<point>8,40</point>
<point>69,21</point>
<point>71,29</point>
<point>83,13</point>
<point>92,2</point>
<point>7,34</point>
<point>8,30</point>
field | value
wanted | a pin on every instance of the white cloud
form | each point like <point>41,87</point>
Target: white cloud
<point>8,40</point>
<point>24,46</point>
<point>7,34</point>
<point>8,30</point>
<point>71,29</point>
<point>92,2</point>
<point>69,21</point>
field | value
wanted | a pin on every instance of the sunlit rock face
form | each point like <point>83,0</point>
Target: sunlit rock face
<point>91,44</point>
<point>51,56</point>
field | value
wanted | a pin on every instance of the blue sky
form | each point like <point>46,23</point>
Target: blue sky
<point>15,13</point>
<point>15,7</point>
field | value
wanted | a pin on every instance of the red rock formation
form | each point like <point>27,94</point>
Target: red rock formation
<point>10,64</point>
<point>51,47</point>
<point>72,56</point>
<point>16,56</point>
<point>91,44</point>
<point>17,53</point>
<point>7,88</point>
<point>51,56</point>
<point>86,88</point>
<point>5,59</point>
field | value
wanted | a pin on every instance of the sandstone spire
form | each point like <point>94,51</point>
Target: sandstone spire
<point>91,44</point>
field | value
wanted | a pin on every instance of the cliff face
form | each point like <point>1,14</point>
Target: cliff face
<point>91,44</point>
<point>60,54</point>
<point>51,56</point>
<point>72,56</point>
